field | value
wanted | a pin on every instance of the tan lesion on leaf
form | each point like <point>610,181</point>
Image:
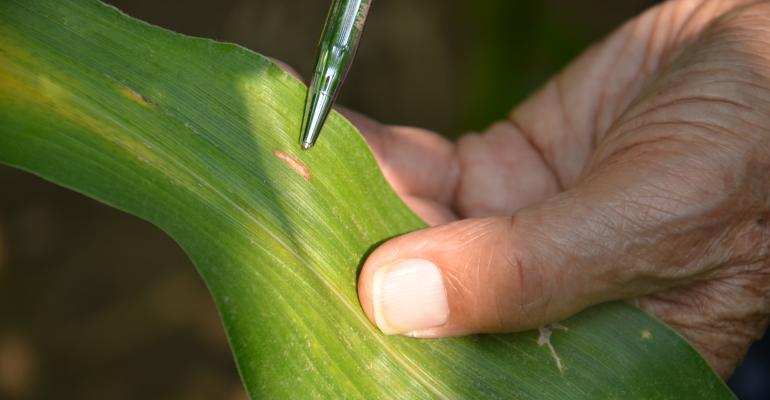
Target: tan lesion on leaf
<point>34,90</point>
<point>136,97</point>
<point>294,164</point>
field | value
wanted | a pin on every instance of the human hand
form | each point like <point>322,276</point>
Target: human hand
<point>641,172</point>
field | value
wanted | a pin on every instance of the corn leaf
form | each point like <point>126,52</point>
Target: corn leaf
<point>200,138</point>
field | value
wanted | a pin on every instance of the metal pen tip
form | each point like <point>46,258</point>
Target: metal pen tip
<point>336,49</point>
<point>317,108</point>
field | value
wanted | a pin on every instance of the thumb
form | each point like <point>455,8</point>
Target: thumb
<point>493,274</point>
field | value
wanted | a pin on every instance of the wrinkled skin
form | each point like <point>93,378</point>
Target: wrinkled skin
<point>641,172</point>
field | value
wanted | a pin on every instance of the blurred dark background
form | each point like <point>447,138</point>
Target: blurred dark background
<point>97,304</point>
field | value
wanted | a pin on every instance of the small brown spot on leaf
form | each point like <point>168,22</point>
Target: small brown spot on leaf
<point>645,335</point>
<point>294,164</point>
<point>136,97</point>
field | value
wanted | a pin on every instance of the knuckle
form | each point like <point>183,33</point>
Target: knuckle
<point>530,288</point>
<point>745,14</point>
<point>530,294</point>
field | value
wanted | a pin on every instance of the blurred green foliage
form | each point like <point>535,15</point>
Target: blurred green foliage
<point>515,46</point>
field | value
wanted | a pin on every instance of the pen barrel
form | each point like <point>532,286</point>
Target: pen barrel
<point>338,44</point>
<point>336,50</point>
